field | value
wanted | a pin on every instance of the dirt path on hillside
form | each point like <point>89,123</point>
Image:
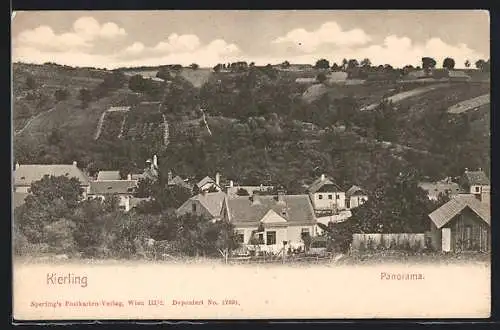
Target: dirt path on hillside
<point>28,123</point>
<point>469,104</point>
<point>404,95</point>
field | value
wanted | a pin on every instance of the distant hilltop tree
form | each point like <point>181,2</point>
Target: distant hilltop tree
<point>449,63</point>
<point>322,64</point>
<point>428,63</point>
<point>366,63</point>
<point>467,64</point>
<point>194,66</point>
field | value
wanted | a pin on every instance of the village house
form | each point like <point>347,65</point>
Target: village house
<point>178,181</point>
<point>150,172</point>
<point>461,224</point>
<point>26,174</point>
<point>475,182</point>
<point>205,204</point>
<point>355,197</point>
<point>445,187</point>
<point>232,190</point>
<point>269,222</point>
<point>122,189</point>
<point>208,183</point>
<point>326,196</point>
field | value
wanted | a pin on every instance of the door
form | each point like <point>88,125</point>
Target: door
<point>446,239</point>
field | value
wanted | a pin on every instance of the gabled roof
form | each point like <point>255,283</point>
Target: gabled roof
<point>355,190</point>
<point>112,187</point>
<point>476,178</point>
<point>178,181</point>
<point>204,181</point>
<point>24,175</point>
<point>457,204</point>
<point>326,185</point>
<point>108,175</point>
<point>298,209</point>
<point>318,183</point>
<point>211,201</point>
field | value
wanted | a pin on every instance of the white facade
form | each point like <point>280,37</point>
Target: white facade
<point>291,234</point>
<point>328,200</point>
<point>123,200</point>
<point>357,200</point>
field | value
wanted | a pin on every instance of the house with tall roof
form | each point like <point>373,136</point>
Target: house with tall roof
<point>205,204</point>
<point>326,196</point>
<point>270,222</point>
<point>26,174</point>
<point>462,224</point>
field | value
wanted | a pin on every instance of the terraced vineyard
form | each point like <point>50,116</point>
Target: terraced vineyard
<point>112,125</point>
<point>143,127</point>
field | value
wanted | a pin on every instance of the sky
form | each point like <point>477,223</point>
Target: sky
<point>114,39</point>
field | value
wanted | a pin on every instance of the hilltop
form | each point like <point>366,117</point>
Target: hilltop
<point>260,123</point>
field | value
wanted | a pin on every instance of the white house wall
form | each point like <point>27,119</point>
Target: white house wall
<point>327,204</point>
<point>356,201</point>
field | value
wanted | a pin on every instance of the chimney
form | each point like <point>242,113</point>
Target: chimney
<point>129,177</point>
<point>155,161</point>
<point>281,196</point>
<point>17,165</point>
<point>485,195</point>
<point>322,177</point>
<point>255,198</point>
<point>217,178</point>
<point>75,163</point>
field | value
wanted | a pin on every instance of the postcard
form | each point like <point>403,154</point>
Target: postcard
<point>217,164</point>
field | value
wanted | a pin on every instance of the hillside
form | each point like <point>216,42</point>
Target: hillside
<point>261,127</point>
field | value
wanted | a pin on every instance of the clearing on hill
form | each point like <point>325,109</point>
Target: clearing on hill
<point>470,104</point>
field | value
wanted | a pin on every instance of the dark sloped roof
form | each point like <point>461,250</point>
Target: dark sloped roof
<point>318,183</point>
<point>476,178</point>
<point>330,187</point>
<point>112,187</point>
<point>355,190</point>
<point>298,209</point>
<point>24,175</point>
<point>204,181</point>
<point>211,201</point>
<point>454,206</point>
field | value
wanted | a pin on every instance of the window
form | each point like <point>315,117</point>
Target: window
<point>337,196</point>
<point>347,203</point>
<point>271,238</point>
<point>261,238</point>
<point>329,196</point>
<point>320,196</point>
<point>477,189</point>
<point>240,237</point>
<point>193,206</point>
<point>305,230</point>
